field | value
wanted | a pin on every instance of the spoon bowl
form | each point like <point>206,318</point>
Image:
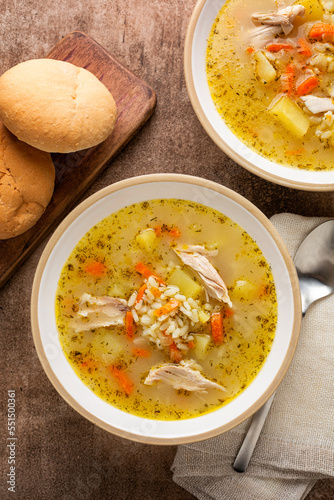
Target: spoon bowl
<point>314,262</point>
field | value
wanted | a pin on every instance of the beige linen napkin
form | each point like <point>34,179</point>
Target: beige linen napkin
<point>296,446</point>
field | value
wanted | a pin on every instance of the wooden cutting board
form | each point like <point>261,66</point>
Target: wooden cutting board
<point>75,172</point>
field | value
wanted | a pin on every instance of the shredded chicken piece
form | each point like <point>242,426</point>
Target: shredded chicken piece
<point>274,23</point>
<point>109,305</point>
<point>261,34</point>
<point>200,249</point>
<point>181,377</point>
<point>283,17</point>
<point>191,363</point>
<point>212,281</point>
<point>318,104</point>
<point>95,312</point>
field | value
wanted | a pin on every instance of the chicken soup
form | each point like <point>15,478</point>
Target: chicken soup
<point>166,309</point>
<point>270,69</point>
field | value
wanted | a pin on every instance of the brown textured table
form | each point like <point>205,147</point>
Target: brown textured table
<point>60,455</point>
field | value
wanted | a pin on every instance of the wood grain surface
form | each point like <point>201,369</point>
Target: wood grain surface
<point>75,172</point>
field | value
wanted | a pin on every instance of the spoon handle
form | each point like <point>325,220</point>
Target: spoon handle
<point>246,450</point>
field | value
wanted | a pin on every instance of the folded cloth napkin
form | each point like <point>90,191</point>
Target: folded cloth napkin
<point>296,446</point>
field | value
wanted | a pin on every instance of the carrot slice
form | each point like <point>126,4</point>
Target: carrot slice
<point>175,353</point>
<point>141,292</point>
<point>322,31</point>
<point>287,79</point>
<point>227,313</point>
<point>167,308</point>
<point>169,230</point>
<point>276,47</point>
<point>122,378</point>
<point>307,85</point>
<point>295,152</point>
<point>141,353</point>
<point>250,50</point>
<point>304,48</point>
<point>147,273</point>
<point>96,268</point>
<point>129,325</point>
<point>217,330</point>
<point>169,338</point>
<point>88,363</point>
<point>175,232</point>
<point>155,291</point>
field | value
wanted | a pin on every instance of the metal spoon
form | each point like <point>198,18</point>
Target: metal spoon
<point>314,263</point>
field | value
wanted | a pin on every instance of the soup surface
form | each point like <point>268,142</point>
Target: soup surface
<point>166,309</point>
<point>270,69</point>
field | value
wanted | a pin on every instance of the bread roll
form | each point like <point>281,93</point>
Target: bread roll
<point>56,106</point>
<point>27,178</point>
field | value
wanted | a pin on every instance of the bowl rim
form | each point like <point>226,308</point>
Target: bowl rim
<point>217,139</point>
<point>136,181</point>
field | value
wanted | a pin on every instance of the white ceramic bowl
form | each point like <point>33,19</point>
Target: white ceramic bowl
<point>97,207</point>
<point>199,28</point>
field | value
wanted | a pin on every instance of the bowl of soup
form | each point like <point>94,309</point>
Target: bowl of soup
<point>165,309</point>
<point>261,80</point>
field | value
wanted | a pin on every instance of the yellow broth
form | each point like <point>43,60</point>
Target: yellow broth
<point>244,101</point>
<point>249,332</point>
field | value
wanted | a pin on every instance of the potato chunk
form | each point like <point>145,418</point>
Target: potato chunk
<point>187,285</point>
<point>313,11</point>
<point>291,116</point>
<point>147,239</point>
<point>108,347</point>
<point>203,316</point>
<point>202,342</point>
<point>264,69</point>
<point>244,290</point>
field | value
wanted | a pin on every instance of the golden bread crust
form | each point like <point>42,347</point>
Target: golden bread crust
<point>56,106</point>
<point>27,178</point>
